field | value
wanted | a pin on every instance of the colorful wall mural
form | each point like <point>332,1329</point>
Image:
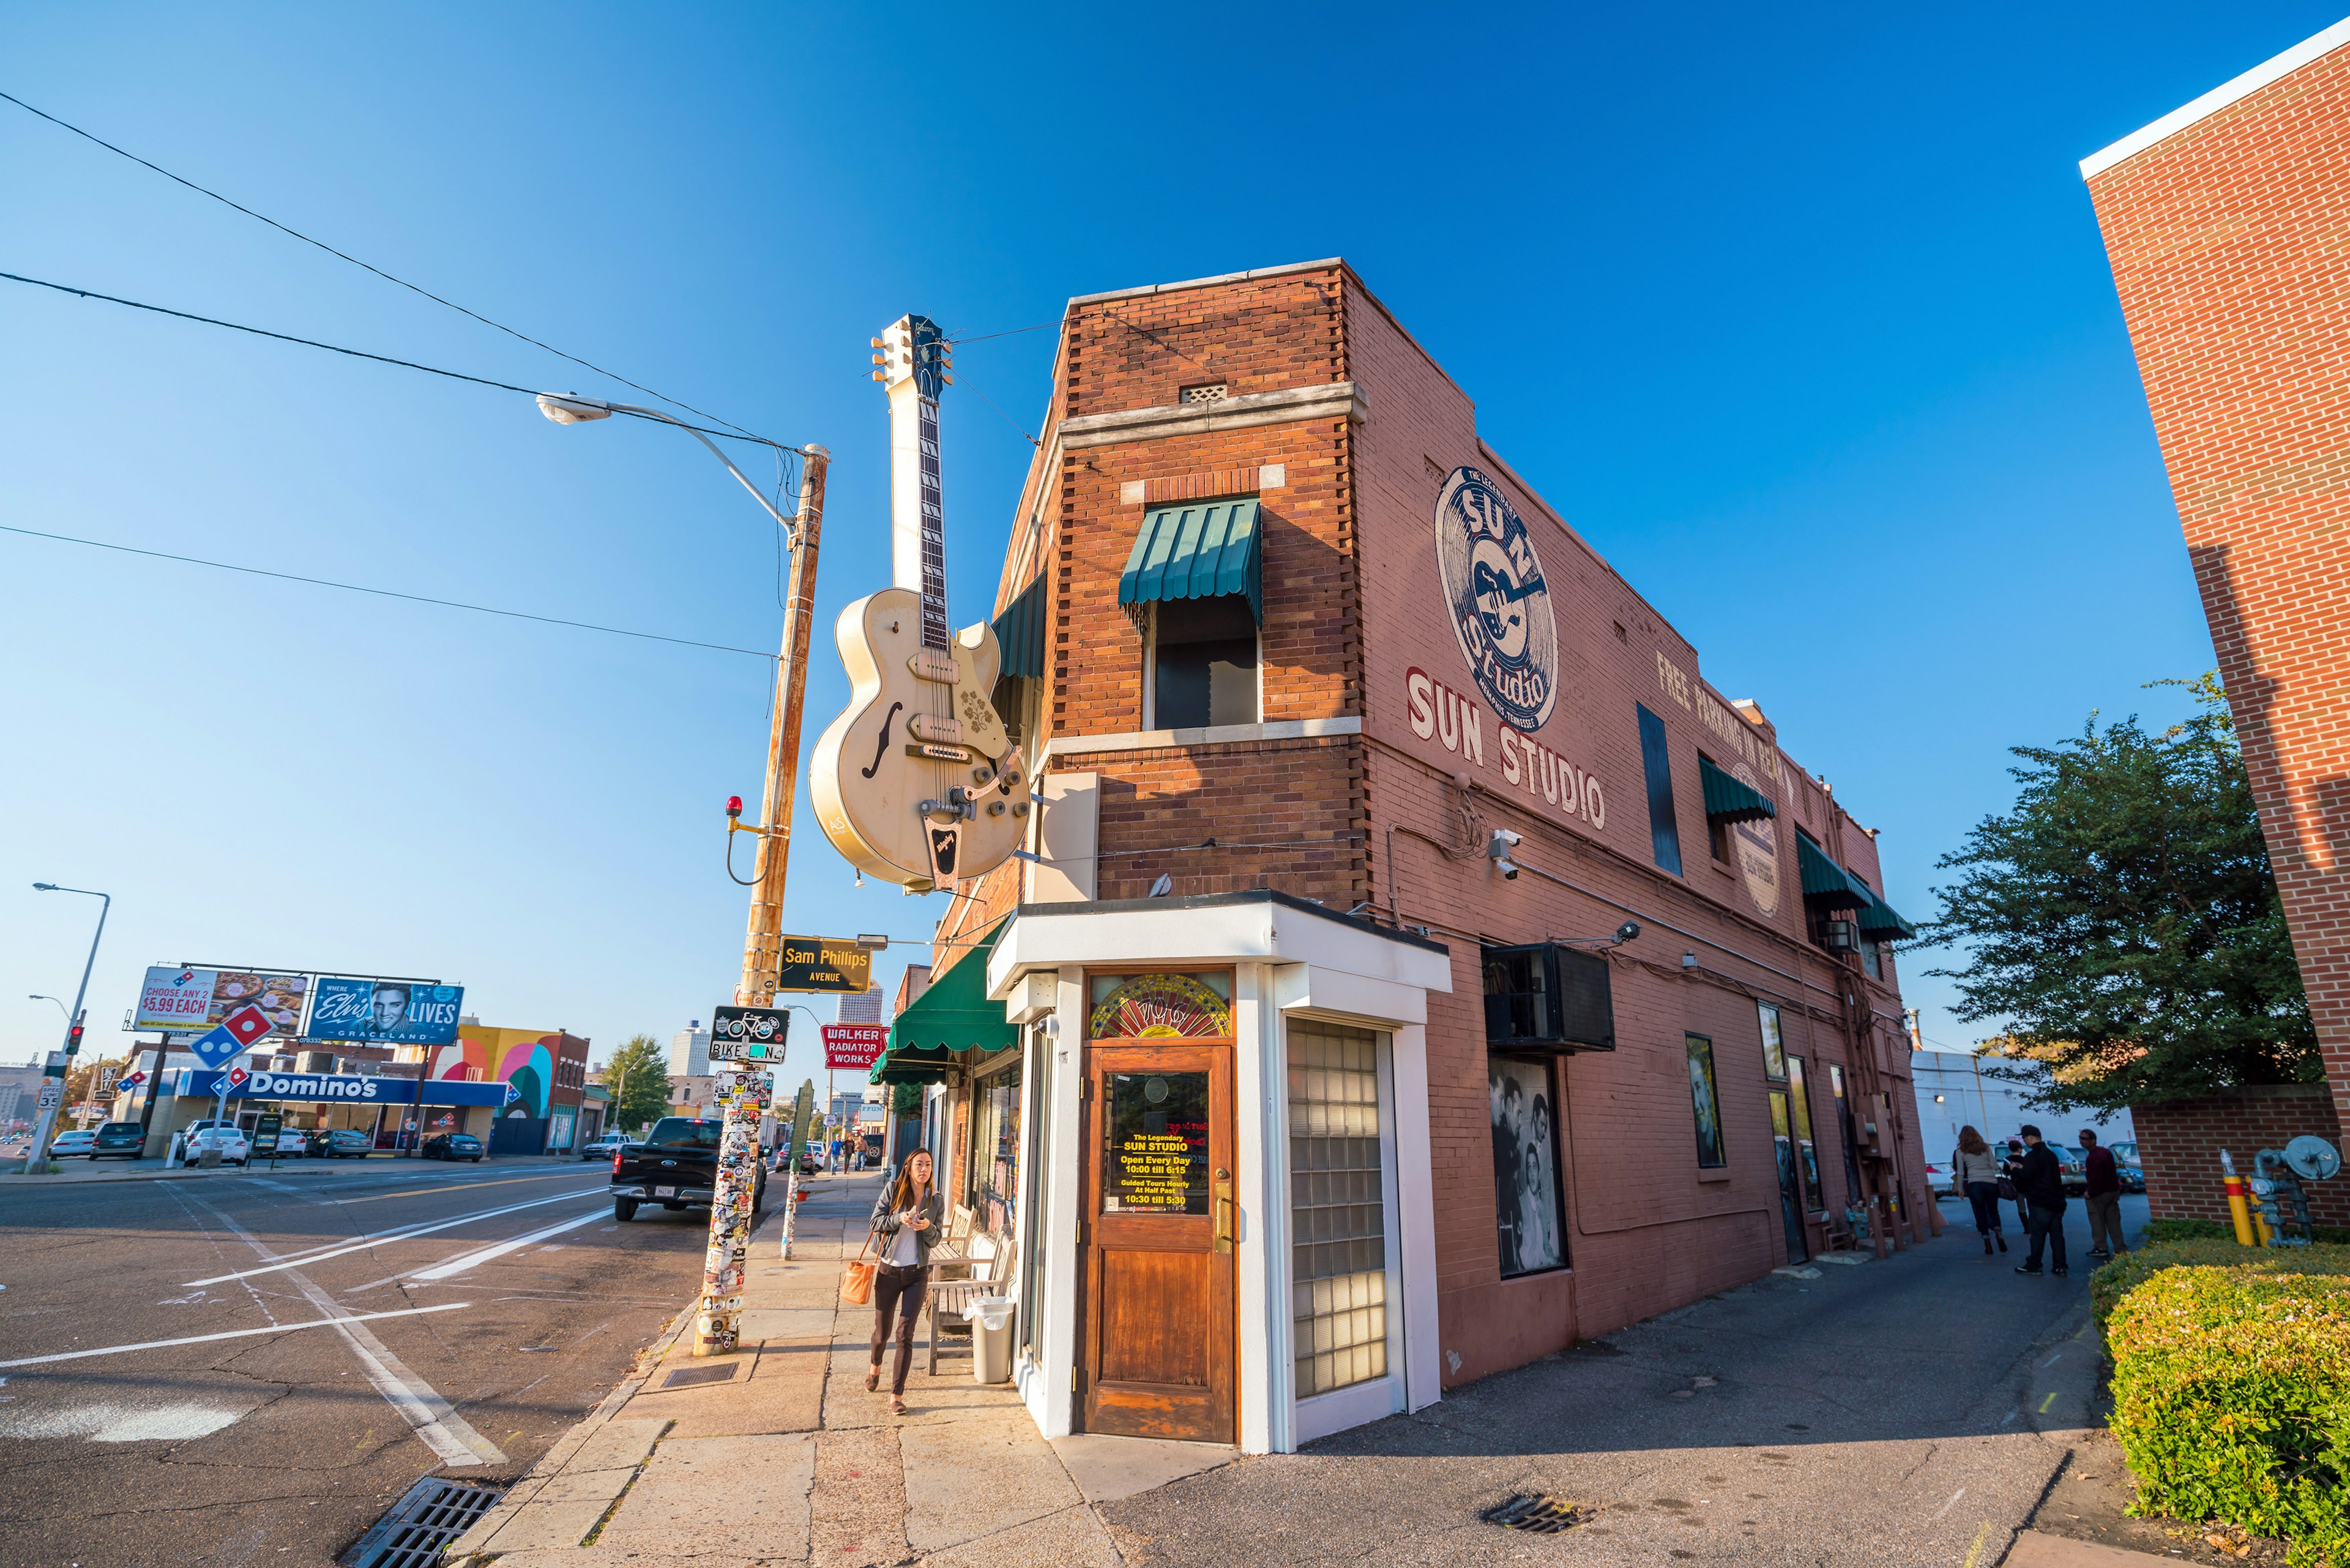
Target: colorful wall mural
<point>522,1057</point>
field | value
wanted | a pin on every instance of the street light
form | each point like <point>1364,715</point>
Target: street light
<point>574,410</point>
<point>61,1006</point>
<point>61,1062</point>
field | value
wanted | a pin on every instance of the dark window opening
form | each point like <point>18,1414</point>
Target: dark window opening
<point>1664,829</point>
<point>1204,654</point>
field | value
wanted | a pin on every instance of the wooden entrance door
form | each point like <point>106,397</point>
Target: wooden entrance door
<point>1156,1333</point>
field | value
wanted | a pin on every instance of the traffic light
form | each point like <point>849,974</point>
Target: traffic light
<point>73,1040</point>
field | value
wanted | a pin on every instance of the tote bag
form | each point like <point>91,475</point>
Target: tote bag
<point>856,1278</point>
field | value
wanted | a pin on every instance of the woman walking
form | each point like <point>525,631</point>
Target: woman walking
<point>907,1218</point>
<point>1976,1170</point>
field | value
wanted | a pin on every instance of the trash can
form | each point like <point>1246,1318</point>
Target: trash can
<point>990,1338</point>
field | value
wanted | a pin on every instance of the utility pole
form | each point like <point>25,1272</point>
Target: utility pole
<point>762,943</point>
<point>718,1321</point>
<point>61,1062</point>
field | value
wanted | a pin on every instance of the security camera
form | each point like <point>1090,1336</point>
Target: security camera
<point>1627,931</point>
<point>1497,850</point>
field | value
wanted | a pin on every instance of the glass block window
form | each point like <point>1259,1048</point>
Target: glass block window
<point>1338,1258</point>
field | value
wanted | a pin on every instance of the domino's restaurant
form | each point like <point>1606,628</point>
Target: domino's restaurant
<point>379,1104</point>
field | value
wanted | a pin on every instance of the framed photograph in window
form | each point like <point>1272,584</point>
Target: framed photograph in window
<point>1529,1215</point>
<point>1705,1099</point>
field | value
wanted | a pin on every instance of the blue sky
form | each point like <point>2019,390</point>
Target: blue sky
<point>1801,318</point>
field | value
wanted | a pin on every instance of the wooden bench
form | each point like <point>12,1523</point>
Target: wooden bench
<point>972,1277</point>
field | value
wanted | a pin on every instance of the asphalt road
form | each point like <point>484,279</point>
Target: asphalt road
<point>497,1304</point>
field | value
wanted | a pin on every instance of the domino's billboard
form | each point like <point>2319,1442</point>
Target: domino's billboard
<point>385,1012</point>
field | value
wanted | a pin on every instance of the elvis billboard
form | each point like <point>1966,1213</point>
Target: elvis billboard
<point>385,1012</point>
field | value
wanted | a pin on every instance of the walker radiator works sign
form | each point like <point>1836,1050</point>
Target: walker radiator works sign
<point>856,1046</point>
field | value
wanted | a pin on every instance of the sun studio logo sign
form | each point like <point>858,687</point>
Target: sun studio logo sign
<point>1499,603</point>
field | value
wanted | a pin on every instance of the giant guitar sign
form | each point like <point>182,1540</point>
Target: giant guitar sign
<point>917,783</point>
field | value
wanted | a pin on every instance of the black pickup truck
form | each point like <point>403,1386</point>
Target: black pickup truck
<point>674,1166</point>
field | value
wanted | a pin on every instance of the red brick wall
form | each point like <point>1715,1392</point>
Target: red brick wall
<point>2180,1146</point>
<point>1351,613</point>
<point>2226,240</point>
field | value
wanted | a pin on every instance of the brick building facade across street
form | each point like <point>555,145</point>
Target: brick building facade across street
<point>2225,222</point>
<point>1303,1074</point>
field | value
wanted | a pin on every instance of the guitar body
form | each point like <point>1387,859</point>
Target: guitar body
<point>916,783</point>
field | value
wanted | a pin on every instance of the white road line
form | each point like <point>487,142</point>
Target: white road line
<point>474,1260</point>
<point>400,1233</point>
<point>435,1423</point>
<point>1952,1503</point>
<point>227,1334</point>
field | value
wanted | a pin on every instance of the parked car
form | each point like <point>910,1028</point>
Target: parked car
<point>605,1147</point>
<point>127,1138</point>
<point>341,1144</point>
<point>675,1166</point>
<point>453,1146</point>
<point>292,1141</point>
<point>72,1142</point>
<point>2075,1175</point>
<point>1939,1181</point>
<point>235,1147</point>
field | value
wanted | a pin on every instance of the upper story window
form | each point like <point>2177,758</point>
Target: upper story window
<point>1193,583</point>
<point>1204,658</point>
<point>1664,828</point>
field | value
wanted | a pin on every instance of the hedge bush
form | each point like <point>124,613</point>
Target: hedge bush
<point>2212,1230</point>
<point>2112,1281</point>
<point>2231,1390</point>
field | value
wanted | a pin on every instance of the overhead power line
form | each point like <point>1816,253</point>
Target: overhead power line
<point>354,353</point>
<point>386,593</point>
<point>379,272</point>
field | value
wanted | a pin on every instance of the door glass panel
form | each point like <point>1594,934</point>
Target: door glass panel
<point>1155,1143</point>
<point>1782,1144</point>
<point>1807,1153</point>
<point>1337,1212</point>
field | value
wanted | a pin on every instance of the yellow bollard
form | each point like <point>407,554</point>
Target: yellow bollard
<point>2238,1210</point>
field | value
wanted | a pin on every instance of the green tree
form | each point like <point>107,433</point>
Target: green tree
<point>2123,923</point>
<point>638,1076</point>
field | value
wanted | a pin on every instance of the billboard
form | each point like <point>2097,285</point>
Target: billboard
<point>194,1000</point>
<point>385,1012</point>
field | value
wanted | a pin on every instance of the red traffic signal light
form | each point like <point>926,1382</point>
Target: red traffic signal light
<point>733,805</point>
<point>73,1039</point>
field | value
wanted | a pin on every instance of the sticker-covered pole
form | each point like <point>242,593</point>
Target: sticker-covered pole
<point>745,1089</point>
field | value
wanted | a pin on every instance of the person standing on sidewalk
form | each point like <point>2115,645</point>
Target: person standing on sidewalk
<point>2102,1196</point>
<point>1976,1170</point>
<point>2040,1182</point>
<point>907,1217</point>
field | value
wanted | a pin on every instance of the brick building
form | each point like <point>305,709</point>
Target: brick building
<point>1423,967</point>
<point>2225,222</point>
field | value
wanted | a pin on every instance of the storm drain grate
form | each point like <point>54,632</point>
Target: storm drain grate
<point>1538,1515</point>
<point>686,1376</point>
<point>434,1514</point>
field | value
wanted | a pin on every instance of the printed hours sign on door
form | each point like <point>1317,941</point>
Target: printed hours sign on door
<point>1157,1159</point>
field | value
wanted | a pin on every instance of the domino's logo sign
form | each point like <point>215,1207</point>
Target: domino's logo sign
<point>1497,598</point>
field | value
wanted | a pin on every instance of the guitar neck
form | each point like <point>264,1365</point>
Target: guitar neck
<point>934,526</point>
<point>914,375</point>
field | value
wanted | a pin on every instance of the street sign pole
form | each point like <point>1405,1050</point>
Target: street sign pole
<point>718,1321</point>
<point>61,1062</point>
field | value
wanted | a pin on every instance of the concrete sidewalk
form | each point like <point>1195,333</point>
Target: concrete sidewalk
<point>1909,1411</point>
<point>778,1455</point>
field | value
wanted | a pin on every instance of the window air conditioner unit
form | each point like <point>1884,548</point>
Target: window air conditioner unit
<point>1549,998</point>
<point>1840,936</point>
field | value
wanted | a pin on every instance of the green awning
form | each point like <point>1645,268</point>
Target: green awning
<point>954,1015</point>
<point>1020,633</point>
<point>1826,884</point>
<point>1728,800</point>
<point>1195,551</point>
<point>1880,923</point>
